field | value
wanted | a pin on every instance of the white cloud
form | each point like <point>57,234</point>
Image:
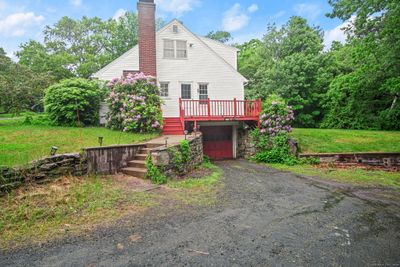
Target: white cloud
<point>177,7</point>
<point>253,8</point>
<point>76,2</point>
<point>235,18</point>
<point>119,13</point>
<point>336,34</point>
<point>309,11</point>
<point>18,23</point>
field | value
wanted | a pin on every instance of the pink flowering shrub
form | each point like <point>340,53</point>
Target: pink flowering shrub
<point>276,117</point>
<point>134,103</point>
<point>275,120</point>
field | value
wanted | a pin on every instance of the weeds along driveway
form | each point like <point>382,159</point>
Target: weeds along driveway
<point>263,218</point>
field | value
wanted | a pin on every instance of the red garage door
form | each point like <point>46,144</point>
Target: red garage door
<point>217,142</point>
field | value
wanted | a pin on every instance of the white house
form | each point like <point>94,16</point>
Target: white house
<point>198,77</point>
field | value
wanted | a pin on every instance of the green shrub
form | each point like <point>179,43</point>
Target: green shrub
<point>154,173</point>
<point>278,152</point>
<point>73,102</point>
<point>181,156</point>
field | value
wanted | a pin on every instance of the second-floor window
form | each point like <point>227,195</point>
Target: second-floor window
<point>175,49</point>
<point>181,49</point>
<point>169,49</point>
<point>164,86</point>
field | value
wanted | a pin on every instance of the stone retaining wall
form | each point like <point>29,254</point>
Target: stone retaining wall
<point>163,158</point>
<point>245,144</point>
<point>42,171</point>
<point>374,159</point>
<point>110,159</point>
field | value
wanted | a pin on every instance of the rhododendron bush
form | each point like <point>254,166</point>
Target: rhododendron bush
<point>276,117</point>
<point>134,104</point>
<point>271,139</point>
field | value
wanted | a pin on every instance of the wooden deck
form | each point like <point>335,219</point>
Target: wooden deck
<point>219,110</point>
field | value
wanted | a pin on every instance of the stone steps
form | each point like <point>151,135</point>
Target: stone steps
<point>136,172</point>
<point>137,166</point>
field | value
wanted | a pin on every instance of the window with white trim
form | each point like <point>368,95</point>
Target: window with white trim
<point>186,91</point>
<point>181,49</point>
<point>169,49</point>
<point>164,86</point>
<point>203,91</point>
<point>175,49</point>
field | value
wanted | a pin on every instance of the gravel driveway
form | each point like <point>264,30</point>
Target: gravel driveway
<point>264,218</point>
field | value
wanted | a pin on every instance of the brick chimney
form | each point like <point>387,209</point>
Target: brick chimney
<point>147,37</point>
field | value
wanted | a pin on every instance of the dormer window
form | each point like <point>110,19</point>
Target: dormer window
<point>175,49</point>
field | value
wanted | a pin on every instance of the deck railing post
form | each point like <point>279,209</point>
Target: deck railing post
<point>209,107</point>
<point>234,108</point>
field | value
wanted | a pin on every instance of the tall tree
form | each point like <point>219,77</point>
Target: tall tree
<point>367,97</point>
<point>20,88</point>
<point>81,47</point>
<point>221,36</point>
<point>288,65</point>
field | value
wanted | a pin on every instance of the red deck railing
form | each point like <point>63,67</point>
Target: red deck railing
<point>198,110</point>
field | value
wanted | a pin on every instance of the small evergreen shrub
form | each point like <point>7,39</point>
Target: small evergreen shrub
<point>135,104</point>
<point>73,102</point>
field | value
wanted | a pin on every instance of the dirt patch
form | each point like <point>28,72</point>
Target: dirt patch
<point>339,165</point>
<point>197,173</point>
<point>133,184</point>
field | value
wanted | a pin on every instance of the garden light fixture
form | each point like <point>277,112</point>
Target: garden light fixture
<point>166,141</point>
<point>186,133</point>
<point>53,150</point>
<point>100,139</point>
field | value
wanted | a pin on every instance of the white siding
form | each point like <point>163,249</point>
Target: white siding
<point>128,61</point>
<point>203,65</point>
<point>228,53</point>
<point>211,63</point>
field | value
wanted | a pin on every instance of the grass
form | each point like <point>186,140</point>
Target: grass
<point>353,176</point>
<point>72,205</point>
<point>68,205</point>
<point>199,191</point>
<point>21,143</point>
<point>341,141</point>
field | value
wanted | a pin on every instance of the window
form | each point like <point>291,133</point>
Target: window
<point>164,89</point>
<point>181,49</point>
<point>175,49</point>
<point>186,91</point>
<point>169,49</point>
<point>203,91</point>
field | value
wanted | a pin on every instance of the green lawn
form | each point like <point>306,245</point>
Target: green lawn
<point>20,143</point>
<point>340,141</point>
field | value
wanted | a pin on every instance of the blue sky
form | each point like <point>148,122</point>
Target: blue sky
<point>21,20</point>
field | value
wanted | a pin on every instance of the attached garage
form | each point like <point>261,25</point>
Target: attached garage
<point>219,141</point>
